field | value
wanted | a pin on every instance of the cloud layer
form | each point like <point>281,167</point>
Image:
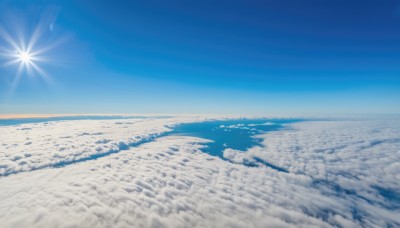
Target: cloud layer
<point>340,173</point>
<point>357,162</point>
<point>28,147</point>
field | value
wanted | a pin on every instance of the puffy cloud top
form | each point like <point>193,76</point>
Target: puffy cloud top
<point>339,173</point>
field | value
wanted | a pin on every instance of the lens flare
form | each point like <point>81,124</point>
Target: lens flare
<point>28,41</point>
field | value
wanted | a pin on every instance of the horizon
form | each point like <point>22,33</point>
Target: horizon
<point>244,115</point>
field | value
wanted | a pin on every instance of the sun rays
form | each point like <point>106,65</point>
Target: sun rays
<point>28,42</point>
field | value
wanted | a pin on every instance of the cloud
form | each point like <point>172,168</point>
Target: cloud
<point>263,124</point>
<point>340,173</point>
<point>238,157</point>
<point>168,182</point>
<point>245,126</point>
<point>35,146</point>
<point>355,161</point>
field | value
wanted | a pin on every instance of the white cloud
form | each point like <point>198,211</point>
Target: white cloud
<point>263,124</point>
<point>237,156</point>
<point>334,171</point>
<point>357,162</point>
<point>33,146</point>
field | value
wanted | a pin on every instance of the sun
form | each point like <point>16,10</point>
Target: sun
<point>29,42</point>
<point>27,61</point>
<point>25,57</point>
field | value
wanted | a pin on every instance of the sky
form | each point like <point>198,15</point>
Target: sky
<point>284,57</point>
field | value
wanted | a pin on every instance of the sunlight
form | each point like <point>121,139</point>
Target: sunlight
<point>25,57</point>
<point>26,45</point>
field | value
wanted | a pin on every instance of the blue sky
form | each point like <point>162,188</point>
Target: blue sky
<point>249,57</point>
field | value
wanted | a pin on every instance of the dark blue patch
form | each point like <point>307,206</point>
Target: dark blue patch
<point>277,168</point>
<point>237,138</point>
<point>391,196</point>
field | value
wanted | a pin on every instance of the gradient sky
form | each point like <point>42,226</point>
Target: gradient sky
<point>285,57</point>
